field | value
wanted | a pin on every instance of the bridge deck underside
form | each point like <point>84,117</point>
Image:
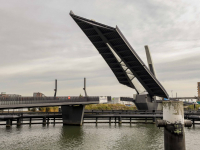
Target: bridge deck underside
<point>101,35</point>
<point>29,102</point>
<point>45,104</point>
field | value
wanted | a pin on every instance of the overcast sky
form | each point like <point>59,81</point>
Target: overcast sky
<point>40,42</point>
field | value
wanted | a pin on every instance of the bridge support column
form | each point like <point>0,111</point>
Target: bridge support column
<point>8,122</point>
<point>173,123</point>
<point>174,135</point>
<point>154,119</point>
<point>30,121</point>
<point>19,121</point>
<point>109,119</point>
<point>44,121</point>
<point>120,119</point>
<point>73,115</point>
<point>48,120</point>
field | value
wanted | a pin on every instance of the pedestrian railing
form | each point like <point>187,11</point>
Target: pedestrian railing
<point>35,100</point>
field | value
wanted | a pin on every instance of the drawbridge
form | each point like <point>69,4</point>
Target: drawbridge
<point>124,62</point>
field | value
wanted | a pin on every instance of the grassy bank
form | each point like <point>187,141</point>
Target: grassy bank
<point>45,109</point>
<point>109,107</point>
<point>191,107</point>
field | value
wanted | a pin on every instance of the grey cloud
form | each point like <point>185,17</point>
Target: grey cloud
<point>41,42</point>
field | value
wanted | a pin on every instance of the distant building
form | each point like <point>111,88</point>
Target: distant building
<point>117,100</point>
<point>198,89</point>
<point>38,94</point>
<point>3,94</point>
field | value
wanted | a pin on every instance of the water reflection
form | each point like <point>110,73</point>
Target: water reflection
<point>71,137</point>
<point>140,136</point>
<point>90,137</point>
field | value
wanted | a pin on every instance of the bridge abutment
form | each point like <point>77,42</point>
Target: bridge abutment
<point>73,115</point>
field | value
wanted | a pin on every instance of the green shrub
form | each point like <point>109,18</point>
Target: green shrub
<point>191,107</point>
<point>48,109</point>
<point>109,107</point>
<point>33,109</point>
<point>42,109</point>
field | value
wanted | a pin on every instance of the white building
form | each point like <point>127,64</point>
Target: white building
<point>117,100</point>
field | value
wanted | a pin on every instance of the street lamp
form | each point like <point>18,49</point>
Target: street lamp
<point>172,93</point>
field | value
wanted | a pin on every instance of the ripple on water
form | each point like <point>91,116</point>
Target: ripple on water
<point>90,137</point>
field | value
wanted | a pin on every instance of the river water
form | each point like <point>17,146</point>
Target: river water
<point>90,137</point>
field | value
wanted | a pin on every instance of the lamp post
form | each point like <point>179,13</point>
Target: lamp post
<point>172,93</point>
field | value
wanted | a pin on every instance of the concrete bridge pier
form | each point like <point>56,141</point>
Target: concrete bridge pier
<point>73,115</point>
<point>173,123</point>
<point>174,135</point>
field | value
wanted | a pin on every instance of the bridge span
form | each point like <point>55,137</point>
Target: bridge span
<point>30,102</point>
<point>72,106</point>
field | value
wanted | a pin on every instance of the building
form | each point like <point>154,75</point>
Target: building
<point>38,94</point>
<point>117,100</point>
<point>3,94</point>
<point>198,89</point>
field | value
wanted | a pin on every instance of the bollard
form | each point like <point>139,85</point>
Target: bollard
<point>173,123</point>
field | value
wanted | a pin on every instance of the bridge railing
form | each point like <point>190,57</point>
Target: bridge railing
<point>34,100</point>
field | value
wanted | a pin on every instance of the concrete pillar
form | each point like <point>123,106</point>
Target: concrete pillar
<point>154,119</point>
<point>19,121</point>
<point>73,115</point>
<point>44,121</point>
<point>109,119</point>
<point>120,119</point>
<point>30,121</point>
<point>48,120</point>
<point>8,122</point>
<point>174,136</point>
